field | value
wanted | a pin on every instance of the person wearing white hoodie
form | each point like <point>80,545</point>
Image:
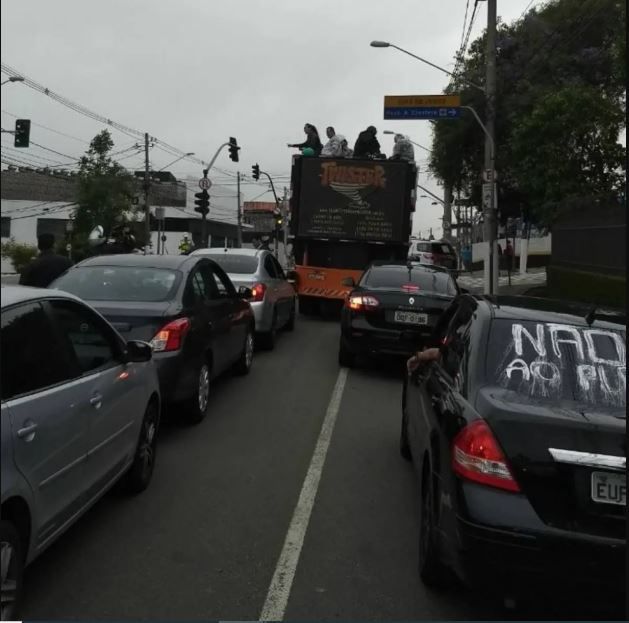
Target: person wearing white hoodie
<point>333,148</point>
<point>403,148</point>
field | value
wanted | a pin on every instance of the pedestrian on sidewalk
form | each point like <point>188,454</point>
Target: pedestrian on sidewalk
<point>509,254</point>
<point>44,269</point>
<point>466,258</point>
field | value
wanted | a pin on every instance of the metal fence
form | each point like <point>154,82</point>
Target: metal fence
<point>592,239</point>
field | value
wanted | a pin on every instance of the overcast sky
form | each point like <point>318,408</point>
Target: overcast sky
<point>192,73</point>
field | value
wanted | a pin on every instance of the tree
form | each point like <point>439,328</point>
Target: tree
<point>105,194</point>
<point>19,253</point>
<point>560,106</point>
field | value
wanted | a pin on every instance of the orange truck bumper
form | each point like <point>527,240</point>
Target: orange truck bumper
<point>324,282</point>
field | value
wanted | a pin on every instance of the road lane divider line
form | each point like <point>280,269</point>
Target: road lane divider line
<point>279,591</point>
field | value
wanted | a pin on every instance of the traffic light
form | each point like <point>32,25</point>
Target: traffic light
<point>233,149</point>
<point>202,202</point>
<point>22,133</point>
<point>255,171</point>
<point>278,220</point>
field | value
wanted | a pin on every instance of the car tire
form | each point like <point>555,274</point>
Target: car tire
<point>347,358</point>
<point>267,339</point>
<point>197,405</point>
<point>290,325</point>
<point>405,448</point>
<point>11,548</point>
<point>138,478</point>
<point>431,569</point>
<point>245,361</point>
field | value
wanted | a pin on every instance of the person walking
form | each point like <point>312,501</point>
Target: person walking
<point>44,269</point>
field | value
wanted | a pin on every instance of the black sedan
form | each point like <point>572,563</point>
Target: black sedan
<point>393,309</point>
<point>185,306</point>
<point>518,439</point>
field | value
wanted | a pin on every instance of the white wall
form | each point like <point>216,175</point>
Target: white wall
<point>537,246</point>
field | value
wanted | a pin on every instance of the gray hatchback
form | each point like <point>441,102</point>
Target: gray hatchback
<point>80,411</point>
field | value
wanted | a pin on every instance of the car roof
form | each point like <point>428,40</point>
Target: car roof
<point>135,259</point>
<point>13,294</point>
<point>429,268</point>
<point>224,251</point>
<point>537,309</point>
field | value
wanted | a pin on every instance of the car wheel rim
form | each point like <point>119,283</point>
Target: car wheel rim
<point>204,388</point>
<point>8,584</point>
<point>249,350</point>
<point>147,447</point>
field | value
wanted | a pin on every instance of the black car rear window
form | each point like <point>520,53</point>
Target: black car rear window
<point>120,283</point>
<point>441,248</point>
<point>552,361</point>
<point>394,277</point>
<point>236,264</point>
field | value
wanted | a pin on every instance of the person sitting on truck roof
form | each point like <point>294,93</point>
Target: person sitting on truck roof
<point>312,141</point>
<point>347,152</point>
<point>403,148</point>
<point>333,148</point>
<point>367,145</point>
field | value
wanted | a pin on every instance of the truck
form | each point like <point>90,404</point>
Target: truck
<point>345,214</point>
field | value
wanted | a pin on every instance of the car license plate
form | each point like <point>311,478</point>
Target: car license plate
<point>609,488</point>
<point>410,317</point>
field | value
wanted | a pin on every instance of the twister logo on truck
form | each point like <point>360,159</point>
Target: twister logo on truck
<point>355,200</point>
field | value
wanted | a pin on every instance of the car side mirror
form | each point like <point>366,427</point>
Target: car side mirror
<point>348,282</point>
<point>138,351</point>
<point>245,293</point>
<point>291,276</point>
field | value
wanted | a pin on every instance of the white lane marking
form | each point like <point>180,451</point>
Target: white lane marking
<point>279,591</point>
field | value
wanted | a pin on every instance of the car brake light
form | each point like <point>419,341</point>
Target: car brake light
<point>410,287</point>
<point>170,336</point>
<point>477,456</point>
<point>362,303</point>
<point>258,292</point>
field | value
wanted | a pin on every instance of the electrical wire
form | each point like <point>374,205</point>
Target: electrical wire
<point>45,127</point>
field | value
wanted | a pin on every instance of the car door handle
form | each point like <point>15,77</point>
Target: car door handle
<point>27,430</point>
<point>96,401</point>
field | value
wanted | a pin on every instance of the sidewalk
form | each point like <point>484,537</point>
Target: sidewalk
<point>474,282</point>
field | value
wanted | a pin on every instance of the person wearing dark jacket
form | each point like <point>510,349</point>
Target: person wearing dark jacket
<point>43,270</point>
<point>312,141</point>
<point>367,145</point>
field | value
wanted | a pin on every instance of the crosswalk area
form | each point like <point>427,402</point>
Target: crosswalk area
<point>475,281</point>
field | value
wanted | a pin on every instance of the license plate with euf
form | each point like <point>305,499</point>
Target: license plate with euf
<point>410,317</point>
<point>609,488</point>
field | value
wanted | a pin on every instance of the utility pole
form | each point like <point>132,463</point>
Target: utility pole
<point>490,208</point>
<point>147,209</point>
<point>447,212</point>
<point>285,223</point>
<point>239,212</point>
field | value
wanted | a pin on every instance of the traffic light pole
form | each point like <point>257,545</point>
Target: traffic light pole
<point>277,205</point>
<point>147,209</point>
<point>239,212</point>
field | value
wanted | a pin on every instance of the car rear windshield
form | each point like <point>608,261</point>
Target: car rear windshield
<point>120,283</point>
<point>394,277</point>
<point>236,264</point>
<point>552,361</point>
<point>439,248</point>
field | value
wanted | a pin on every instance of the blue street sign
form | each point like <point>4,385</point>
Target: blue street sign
<point>422,112</point>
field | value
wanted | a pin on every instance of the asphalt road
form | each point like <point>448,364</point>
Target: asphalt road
<point>204,540</point>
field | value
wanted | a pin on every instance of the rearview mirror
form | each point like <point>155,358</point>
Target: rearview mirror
<point>138,351</point>
<point>348,282</point>
<point>245,293</point>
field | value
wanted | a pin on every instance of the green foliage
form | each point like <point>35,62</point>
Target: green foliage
<point>560,106</point>
<point>105,194</point>
<point>19,253</point>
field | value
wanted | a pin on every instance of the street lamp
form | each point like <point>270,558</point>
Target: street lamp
<point>13,79</point>
<point>414,143</point>
<point>190,153</point>
<point>385,44</point>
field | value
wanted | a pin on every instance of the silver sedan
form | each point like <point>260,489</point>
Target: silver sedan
<point>273,300</point>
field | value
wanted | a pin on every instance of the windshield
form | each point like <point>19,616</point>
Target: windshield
<point>236,264</point>
<point>396,277</point>
<point>551,361</point>
<point>120,283</point>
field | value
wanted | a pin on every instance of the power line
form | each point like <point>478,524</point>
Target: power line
<point>45,127</point>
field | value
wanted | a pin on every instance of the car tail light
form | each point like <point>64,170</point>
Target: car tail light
<point>410,287</point>
<point>170,336</point>
<point>258,290</point>
<point>358,302</point>
<point>477,456</point>
<point>429,256</point>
